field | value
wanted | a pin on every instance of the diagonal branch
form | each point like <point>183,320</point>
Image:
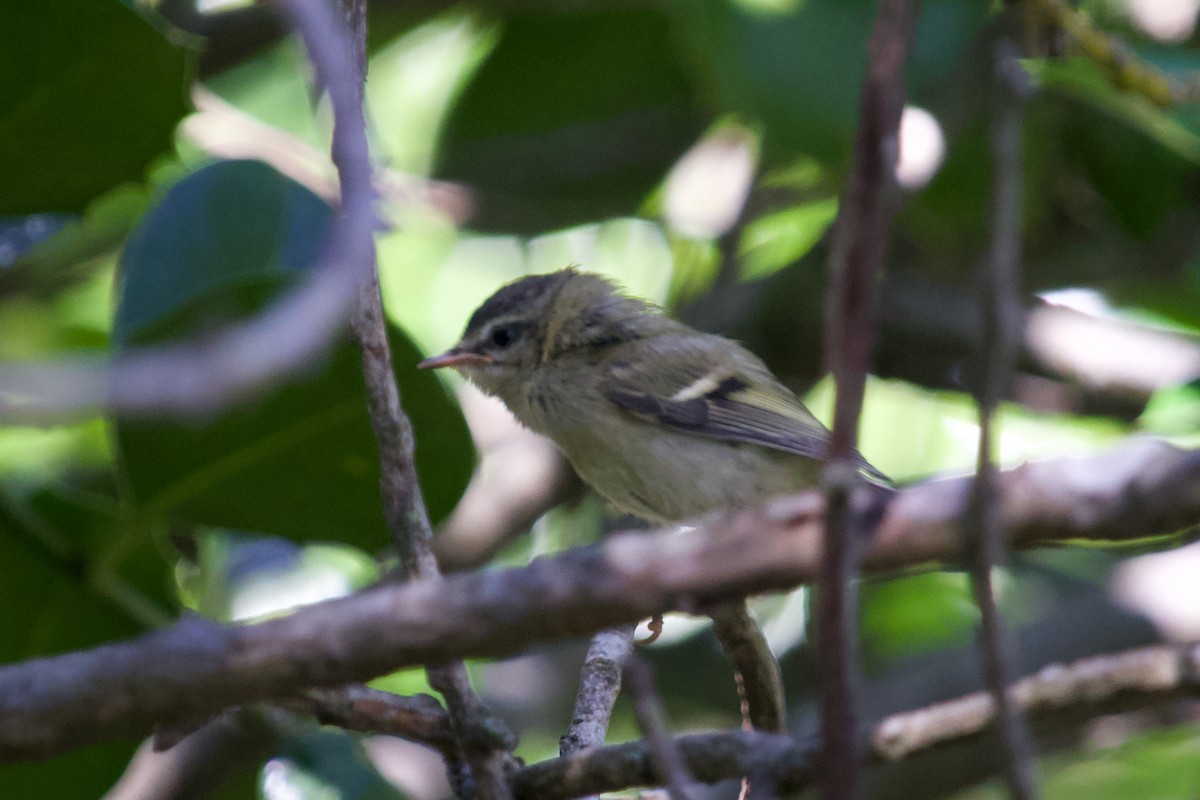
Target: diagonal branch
<point>196,667</point>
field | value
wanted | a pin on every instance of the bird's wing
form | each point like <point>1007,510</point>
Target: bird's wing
<point>742,403</point>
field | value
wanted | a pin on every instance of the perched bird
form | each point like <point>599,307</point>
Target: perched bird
<point>664,421</point>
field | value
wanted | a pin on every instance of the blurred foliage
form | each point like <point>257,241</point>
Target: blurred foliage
<point>560,125</point>
<point>323,766</point>
<point>301,460</point>
<point>1155,765</point>
<point>92,93</point>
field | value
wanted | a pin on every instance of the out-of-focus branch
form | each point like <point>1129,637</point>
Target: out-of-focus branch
<point>982,525</point>
<point>195,668</point>
<point>665,759</point>
<point>225,131</point>
<point>1077,691</point>
<point>1103,362</point>
<point>856,258</point>
<point>200,764</point>
<point>521,476</point>
<point>207,373</point>
<point>1125,69</point>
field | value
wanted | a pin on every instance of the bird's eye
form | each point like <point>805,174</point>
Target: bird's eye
<point>502,336</point>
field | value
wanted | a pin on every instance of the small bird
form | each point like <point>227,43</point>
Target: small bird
<point>664,421</point>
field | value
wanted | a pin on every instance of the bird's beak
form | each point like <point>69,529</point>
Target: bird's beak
<point>455,357</point>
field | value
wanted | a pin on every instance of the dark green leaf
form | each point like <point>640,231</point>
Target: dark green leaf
<point>301,460</point>
<point>1083,79</point>
<point>798,67</point>
<point>89,772</point>
<point>550,139</point>
<point>62,552</point>
<point>91,94</point>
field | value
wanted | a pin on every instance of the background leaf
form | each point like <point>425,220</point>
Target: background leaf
<point>300,461</point>
<point>91,94</point>
<point>593,142</point>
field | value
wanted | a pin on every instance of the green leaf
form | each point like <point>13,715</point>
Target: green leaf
<point>1084,80</point>
<point>88,772</point>
<point>1157,764</point>
<point>91,94</point>
<point>56,546</point>
<point>71,574</point>
<point>300,460</point>
<point>797,67</point>
<point>779,238</point>
<point>582,143</point>
<point>916,613</point>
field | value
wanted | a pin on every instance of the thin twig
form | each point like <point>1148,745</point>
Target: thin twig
<point>1058,695</point>
<point>418,718</point>
<point>599,685</point>
<point>1002,313</point>
<point>856,258</point>
<point>196,667</point>
<point>405,512</point>
<point>665,758</point>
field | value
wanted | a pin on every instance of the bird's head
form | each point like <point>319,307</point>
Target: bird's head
<point>539,320</point>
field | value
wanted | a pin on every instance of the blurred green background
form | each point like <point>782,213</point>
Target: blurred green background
<point>165,173</point>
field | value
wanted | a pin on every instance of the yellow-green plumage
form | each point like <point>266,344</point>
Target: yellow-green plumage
<point>664,421</point>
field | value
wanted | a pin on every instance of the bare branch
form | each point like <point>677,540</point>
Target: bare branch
<point>208,373</point>
<point>856,258</point>
<point>418,718</point>
<point>599,685</point>
<point>404,506</point>
<point>1092,685</point>
<point>195,667</point>
<point>1002,312</point>
<point>226,131</point>
<point>665,758</point>
<point>709,757</point>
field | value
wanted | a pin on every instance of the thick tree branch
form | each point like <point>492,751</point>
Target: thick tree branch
<point>195,668</point>
<point>1090,685</point>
